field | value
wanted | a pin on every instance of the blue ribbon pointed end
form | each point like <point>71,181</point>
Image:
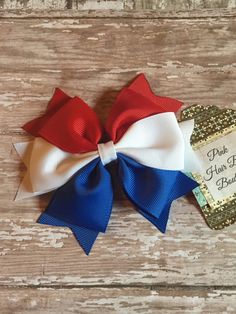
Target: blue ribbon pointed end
<point>153,190</point>
<point>85,237</point>
<point>83,204</point>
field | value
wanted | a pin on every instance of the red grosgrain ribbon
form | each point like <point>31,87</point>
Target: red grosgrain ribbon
<point>70,124</point>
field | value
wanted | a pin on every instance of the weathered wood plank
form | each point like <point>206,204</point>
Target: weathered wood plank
<point>116,14</point>
<point>154,5</point>
<point>131,252</point>
<point>118,300</point>
<point>33,4</point>
<point>101,5</point>
<point>180,4</point>
<point>191,60</point>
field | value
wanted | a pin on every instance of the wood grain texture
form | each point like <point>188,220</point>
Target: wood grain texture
<point>171,5</point>
<point>117,14</point>
<point>193,61</point>
<point>33,4</point>
<point>133,267</point>
<point>117,300</point>
<point>155,5</point>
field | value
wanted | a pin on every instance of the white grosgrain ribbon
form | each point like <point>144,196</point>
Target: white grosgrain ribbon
<point>158,141</point>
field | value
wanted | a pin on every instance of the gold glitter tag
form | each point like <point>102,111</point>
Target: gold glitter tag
<point>214,140</point>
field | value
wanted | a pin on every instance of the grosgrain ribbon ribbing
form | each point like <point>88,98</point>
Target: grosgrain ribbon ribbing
<point>148,144</point>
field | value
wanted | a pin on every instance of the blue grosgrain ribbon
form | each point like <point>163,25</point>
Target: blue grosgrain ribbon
<point>86,199</point>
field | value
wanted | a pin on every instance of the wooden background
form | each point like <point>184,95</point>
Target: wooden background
<point>187,50</point>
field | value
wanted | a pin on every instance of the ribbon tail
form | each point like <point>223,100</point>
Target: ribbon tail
<point>84,236</point>
<point>153,190</point>
<point>24,150</point>
<point>182,186</point>
<point>83,204</point>
<point>160,222</point>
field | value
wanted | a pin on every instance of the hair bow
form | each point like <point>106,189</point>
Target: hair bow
<point>148,145</point>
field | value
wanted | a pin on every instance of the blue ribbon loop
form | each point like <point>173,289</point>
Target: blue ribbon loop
<point>84,203</point>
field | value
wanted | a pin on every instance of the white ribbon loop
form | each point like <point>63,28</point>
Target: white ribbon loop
<point>48,167</point>
<point>157,141</point>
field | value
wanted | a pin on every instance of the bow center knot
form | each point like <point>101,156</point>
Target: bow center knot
<point>107,152</point>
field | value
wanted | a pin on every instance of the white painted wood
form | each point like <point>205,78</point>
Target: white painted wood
<point>117,300</point>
